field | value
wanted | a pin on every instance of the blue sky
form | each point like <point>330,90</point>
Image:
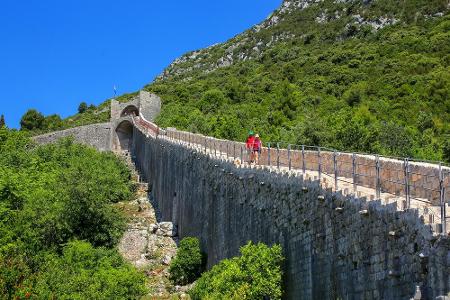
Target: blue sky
<point>56,54</point>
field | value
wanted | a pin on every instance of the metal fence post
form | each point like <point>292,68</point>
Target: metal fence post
<point>319,161</point>
<point>354,172</point>
<point>378,181</point>
<point>242,156</point>
<point>335,171</point>
<point>278,155</point>
<point>442,201</point>
<point>407,194</point>
<point>234,150</point>
<point>206,139</point>
<point>227,151</point>
<point>289,156</point>
<point>215,148</point>
<point>268,154</point>
<point>303,160</point>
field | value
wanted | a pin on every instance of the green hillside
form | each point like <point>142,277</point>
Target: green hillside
<point>362,77</point>
<point>355,75</point>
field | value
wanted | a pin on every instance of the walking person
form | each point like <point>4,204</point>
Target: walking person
<point>257,146</point>
<point>249,144</point>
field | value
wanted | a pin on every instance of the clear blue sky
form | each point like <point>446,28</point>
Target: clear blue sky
<point>56,54</point>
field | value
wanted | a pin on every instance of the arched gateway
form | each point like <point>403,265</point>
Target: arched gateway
<point>124,135</point>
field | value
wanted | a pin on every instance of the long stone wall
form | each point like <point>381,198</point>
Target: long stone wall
<point>423,178</point>
<point>95,135</point>
<point>336,247</point>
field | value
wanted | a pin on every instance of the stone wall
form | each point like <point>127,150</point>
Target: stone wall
<point>336,247</point>
<point>150,105</point>
<point>96,135</point>
<point>423,178</point>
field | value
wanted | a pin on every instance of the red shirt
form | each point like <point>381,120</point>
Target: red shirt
<point>250,142</point>
<point>257,144</point>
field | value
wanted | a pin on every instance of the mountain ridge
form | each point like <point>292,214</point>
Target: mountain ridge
<point>354,75</point>
<point>286,8</point>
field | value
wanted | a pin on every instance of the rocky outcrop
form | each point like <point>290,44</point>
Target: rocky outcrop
<point>252,43</point>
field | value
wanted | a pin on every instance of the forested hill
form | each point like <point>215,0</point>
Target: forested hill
<point>356,75</point>
<point>360,75</point>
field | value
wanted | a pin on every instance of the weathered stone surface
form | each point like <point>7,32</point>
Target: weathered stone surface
<point>329,254</point>
<point>95,135</point>
<point>116,134</point>
<point>166,229</point>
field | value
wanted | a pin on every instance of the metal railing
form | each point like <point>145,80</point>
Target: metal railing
<point>408,183</point>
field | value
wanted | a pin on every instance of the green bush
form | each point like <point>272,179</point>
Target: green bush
<point>188,263</point>
<point>85,272</point>
<point>49,196</point>
<point>82,108</point>
<point>256,274</point>
<point>32,120</point>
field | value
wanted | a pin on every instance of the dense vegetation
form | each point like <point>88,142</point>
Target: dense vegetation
<point>327,75</point>
<point>188,263</point>
<point>58,228</point>
<point>333,83</point>
<point>256,274</point>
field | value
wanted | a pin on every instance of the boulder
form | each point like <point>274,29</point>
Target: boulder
<point>166,229</point>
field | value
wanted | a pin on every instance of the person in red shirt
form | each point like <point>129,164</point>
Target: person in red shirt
<point>249,144</point>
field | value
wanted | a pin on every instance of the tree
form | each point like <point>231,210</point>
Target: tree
<point>82,107</point>
<point>211,101</point>
<point>32,120</point>
<point>2,121</point>
<point>256,274</point>
<point>446,150</point>
<point>53,122</point>
<point>188,264</point>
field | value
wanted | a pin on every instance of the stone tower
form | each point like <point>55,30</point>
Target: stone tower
<point>145,105</point>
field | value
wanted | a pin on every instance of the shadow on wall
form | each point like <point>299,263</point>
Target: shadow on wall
<point>124,133</point>
<point>130,110</point>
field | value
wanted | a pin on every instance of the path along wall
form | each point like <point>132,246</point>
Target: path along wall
<point>422,178</point>
<point>334,248</point>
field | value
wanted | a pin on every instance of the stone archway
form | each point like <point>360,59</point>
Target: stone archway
<point>130,110</point>
<point>124,133</point>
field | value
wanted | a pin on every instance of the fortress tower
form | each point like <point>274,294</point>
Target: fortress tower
<point>145,105</point>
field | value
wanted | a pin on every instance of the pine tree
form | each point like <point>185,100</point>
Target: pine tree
<point>2,121</point>
<point>83,107</point>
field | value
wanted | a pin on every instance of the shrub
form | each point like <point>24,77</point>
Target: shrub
<point>188,263</point>
<point>85,272</point>
<point>49,196</point>
<point>32,120</point>
<point>256,274</point>
<point>82,107</point>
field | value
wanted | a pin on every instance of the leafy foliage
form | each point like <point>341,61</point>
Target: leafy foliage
<point>384,91</point>
<point>32,120</point>
<point>51,196</point>
<point>333,83</point>
<point>256,274</point>
<point>88,273</point>
<point>83,107</point>
<point>188,263</point>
